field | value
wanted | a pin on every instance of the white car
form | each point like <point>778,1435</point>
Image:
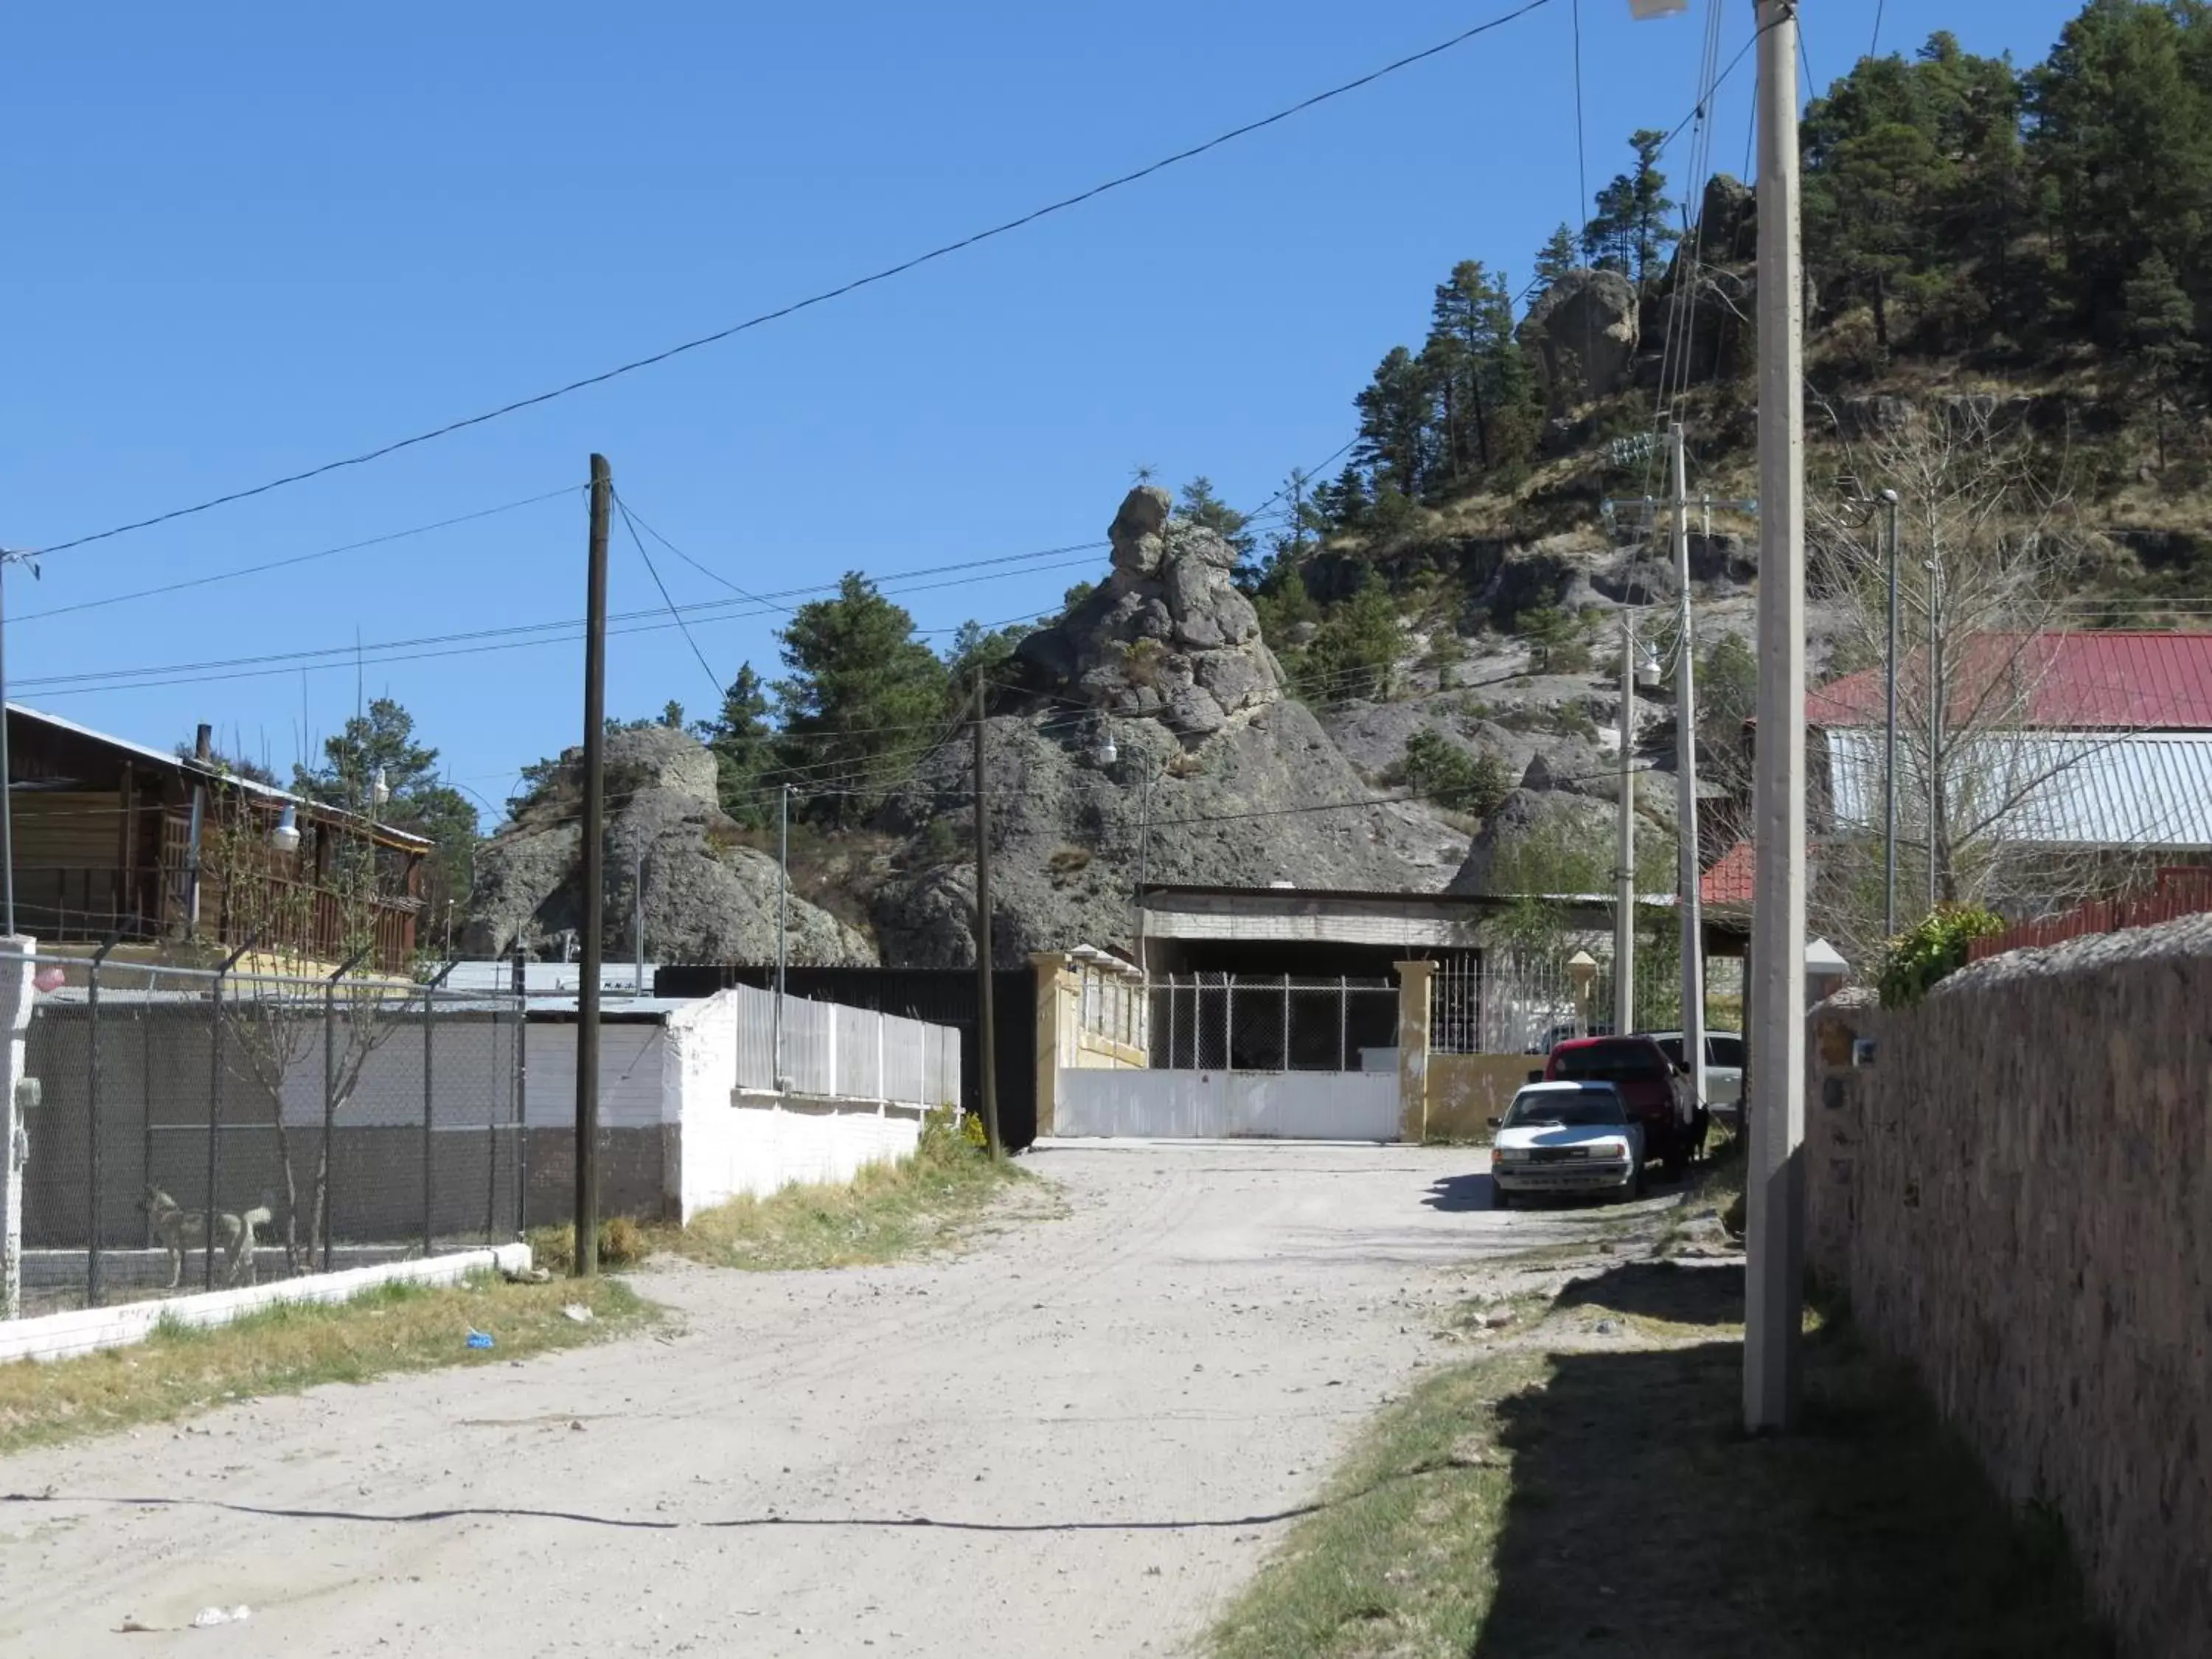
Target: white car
<point>1566,1137</point>
<point>1723,1066</point>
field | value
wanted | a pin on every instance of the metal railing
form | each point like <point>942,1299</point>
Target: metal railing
<point>833,1051</point>
<point>1247,1022</point>
<point>196,1128</point>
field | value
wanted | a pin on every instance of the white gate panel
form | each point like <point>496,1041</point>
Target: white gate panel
<point>1217,1105</point>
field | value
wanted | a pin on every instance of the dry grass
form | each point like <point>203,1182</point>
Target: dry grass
<point>181,1369</point>
<point>886,1212</point>
<point>1586,1485</point>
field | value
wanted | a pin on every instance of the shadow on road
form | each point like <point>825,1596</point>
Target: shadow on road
<point>1640,1520</point>
<point>1461,1192</point>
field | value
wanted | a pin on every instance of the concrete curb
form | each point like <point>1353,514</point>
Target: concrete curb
<point>88,1330</point>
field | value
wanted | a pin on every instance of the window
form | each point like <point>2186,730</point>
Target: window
<point>1724,1051</point>
<point>1625,1061</point>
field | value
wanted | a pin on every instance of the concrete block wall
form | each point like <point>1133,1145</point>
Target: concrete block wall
<point>2017,1195</point>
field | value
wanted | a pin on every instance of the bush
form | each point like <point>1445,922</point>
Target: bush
<point>1932,950</point>
<point>622,1244</point>
<point>1448,775</point>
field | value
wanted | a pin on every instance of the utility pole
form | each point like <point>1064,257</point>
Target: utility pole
<point>1774,1194</point>
<point>637,924</point>
<point>586,1256</point>
<point>987,1027</point>
<point>1624,867</point>
<point>782,918</point>
<point>1689,868</point>
<point>1889,500</point>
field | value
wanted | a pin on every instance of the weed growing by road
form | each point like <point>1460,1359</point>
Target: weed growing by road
<point>1587,1484</point>
<point>183,1370</point>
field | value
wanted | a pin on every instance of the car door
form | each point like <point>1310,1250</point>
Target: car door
<point>1724,1071</point>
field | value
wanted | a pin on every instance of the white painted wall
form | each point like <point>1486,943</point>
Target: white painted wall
<point>1206,1105</point>
<point>734,1142</point>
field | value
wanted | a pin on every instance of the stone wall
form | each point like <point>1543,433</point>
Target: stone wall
<point>2017,1195</point>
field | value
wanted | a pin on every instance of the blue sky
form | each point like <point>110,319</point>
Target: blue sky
<point>252,238</point>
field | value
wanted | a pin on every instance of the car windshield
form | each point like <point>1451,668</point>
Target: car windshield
<point>1581,1108</point>
<point>1633,1062</point>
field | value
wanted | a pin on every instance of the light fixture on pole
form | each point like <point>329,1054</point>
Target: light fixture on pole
<point>1106,752</point>
<point>1648,673</point>
<point>380,791</point>
<point>285,837</point>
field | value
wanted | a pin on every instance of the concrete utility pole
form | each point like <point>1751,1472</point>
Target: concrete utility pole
<point>1689,868</point>
<point>1889,500</point>
<point>986,1027</point>
<point>587,1255</point>
<point>1774,1236</point>
<point>1623,869</point>
<point>783,922</point>
<point>1934,724</point>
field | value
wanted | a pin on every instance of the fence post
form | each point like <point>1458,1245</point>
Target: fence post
<point>1228,1023</point>
<point>93,1147</point>
<point>215,1113</point>
<point>1287,1024</point>
<point>429,1105</point>
<point>1343,1022</point>
<point>146,1102</point>
<point>18,991</point>
<point>831,1023</point>
<point>326,1197</point>
<point>521,1097</point>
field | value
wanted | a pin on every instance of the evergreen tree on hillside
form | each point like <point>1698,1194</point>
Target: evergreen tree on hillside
<point>1201,506</point>
<point>1484,389</point>
<point>976,649</point>
<point>858,699</point>
<point>744,746</point>
<point>382,740</point>
<point>1629,232</point>
<point>2158,323</point>
<point>1395,415</point>
<point>1556,258</point>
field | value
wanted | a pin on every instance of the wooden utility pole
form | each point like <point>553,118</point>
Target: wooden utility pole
<point>987,1025</point>
<point>1689,867</point>
<point>1775,1234</point>
<point>1623,870</point>
<point>587,1255</point>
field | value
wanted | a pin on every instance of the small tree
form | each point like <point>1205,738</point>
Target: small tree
<point>1629,232</point>
<point>2159,325</point>
<point>743,744</point>
<point>1556,256</point>
<point>860,697</point>
<point>1201,506</point>
<point>1440,771</point>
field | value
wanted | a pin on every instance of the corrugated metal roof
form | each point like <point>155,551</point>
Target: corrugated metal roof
<point>180,763</point>
<point>2148,790</point>
<point>2106,681</point>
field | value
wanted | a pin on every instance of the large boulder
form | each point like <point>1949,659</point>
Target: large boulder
<point>706,896</point>
<point>1582,334</point>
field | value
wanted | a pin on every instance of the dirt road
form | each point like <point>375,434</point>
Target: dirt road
<point>1077,1437</point>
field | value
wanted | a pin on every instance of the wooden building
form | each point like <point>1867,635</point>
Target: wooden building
<point>113,837</point>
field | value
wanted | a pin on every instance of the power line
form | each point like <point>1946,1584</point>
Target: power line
<point>294,559</point>
<point>822,298</point>
<point>713,679</point>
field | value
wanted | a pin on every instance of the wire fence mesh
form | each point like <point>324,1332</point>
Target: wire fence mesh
<point>197,1130</point>
<point>1514,1003</point>
<point>1244,1022</point>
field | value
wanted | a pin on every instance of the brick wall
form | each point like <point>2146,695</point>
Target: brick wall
<point>2017,1195</point>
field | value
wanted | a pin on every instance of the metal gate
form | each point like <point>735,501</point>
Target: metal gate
<point>1220,1105</point>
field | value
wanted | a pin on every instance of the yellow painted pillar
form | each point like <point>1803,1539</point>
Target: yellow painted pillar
<point>1414,1050</point>
<point>1051,969</point>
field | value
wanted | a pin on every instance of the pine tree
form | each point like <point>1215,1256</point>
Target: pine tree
<point>1629,232</point>
<point>2159,327</point>
<point>1201,506</point>
<point>744,746</point>
<point>858,699</point>
<point>1395,415</point>
<point>1557,257</point>
<point>382,742</point>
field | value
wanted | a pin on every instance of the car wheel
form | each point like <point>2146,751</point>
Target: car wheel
<point>1499,1197</point>
<point>1636,1182</point>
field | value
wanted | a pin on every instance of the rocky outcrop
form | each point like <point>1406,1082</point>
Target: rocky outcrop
<point>707,896</point>
<point>1216,776</point>
<point>1582,334</point>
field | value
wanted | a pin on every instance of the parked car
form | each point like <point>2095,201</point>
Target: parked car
<point>1566,1137</point>
<point>1557,1034</point>
<point>1652,1086</point>
<point>1723,1066</point>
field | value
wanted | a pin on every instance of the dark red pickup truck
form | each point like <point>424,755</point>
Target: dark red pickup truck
<point>1656,1092</point>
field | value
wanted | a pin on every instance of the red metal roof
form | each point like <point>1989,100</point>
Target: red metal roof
<point>2126,682</point>
<point>1732,879</point>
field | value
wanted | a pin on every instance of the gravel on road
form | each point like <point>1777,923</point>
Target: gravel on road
<point>1080,1436</point>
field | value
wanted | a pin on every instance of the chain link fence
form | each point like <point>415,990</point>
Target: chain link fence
<point>1246,1022</point>
<point>196,1130</point>
<point>1510,1003</point>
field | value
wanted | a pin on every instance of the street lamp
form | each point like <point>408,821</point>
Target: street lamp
<point>1107,751</point>
<point>1647,670</point>
<point>285,837</point>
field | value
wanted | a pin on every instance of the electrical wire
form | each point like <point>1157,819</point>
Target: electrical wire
<point>714,679</point>
<point>287,564</point>
<point>825,296</point>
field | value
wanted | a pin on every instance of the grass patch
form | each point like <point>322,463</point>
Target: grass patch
<point>886,1212</point>
<point>182,1369</point>
<point>1580,1493</point>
